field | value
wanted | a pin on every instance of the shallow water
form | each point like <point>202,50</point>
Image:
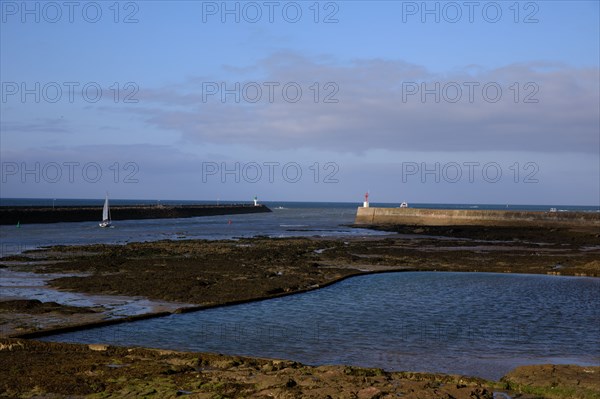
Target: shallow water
<point>288,219</point>
<point>286,222</point>
<point>27,285</point>
<point>462,323</point>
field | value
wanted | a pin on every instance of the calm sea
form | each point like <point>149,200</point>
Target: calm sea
<point>480,324</point>
<point>288,219</point>
<point>470,323</point>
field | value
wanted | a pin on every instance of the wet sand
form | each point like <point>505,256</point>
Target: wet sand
<point>214,273</point>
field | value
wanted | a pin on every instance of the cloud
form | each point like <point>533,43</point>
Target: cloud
<point>543,107</point>
<point>44,125</point>
<point>152,158</point>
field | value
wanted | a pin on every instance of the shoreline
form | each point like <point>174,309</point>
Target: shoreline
<point>198,308</point>
<point>190,309</point>
<point>97,370</point>
<point>201,271</point>
<point>452,240</point>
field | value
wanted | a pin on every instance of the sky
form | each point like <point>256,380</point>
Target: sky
<point>428,102</point>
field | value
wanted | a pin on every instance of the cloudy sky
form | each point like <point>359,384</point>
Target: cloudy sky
<point>437,102</point>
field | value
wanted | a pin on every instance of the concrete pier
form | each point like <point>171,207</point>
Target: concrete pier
<point>458,217</point>
<point>32,214</point>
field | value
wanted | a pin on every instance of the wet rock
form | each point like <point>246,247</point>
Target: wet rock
<point>291,383</point>
<point>11,346</point>
<point>98,347</point>
<point>369,393</point>
<point>72,370</point>
<point>481,393</point>
<point>35,306</point>
<point>267,368</point>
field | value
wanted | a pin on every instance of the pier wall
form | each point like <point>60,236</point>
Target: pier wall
<point>457,217</point>
<point>30,215</point>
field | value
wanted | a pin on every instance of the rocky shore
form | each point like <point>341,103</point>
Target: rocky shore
<point>214,273</point>
<point>54,370</point>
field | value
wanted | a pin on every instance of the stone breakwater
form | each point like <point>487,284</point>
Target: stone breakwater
<point>463,217</point>
<point>26,215</point>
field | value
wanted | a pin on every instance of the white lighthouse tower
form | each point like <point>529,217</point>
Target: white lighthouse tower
<point>366,203</point>
<point>255,200</point>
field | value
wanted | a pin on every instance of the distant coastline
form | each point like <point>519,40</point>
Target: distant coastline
<point>97,202</point>
<point>45,214</point>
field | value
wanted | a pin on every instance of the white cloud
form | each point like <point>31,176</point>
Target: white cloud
<point>375,111</point>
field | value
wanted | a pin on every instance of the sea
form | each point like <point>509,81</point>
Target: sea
<point>480,324</point>
<point>477,324</point>
<point>288,219</point>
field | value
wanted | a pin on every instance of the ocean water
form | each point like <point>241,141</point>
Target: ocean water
<point>469,323</point>
<point>480,324</point>
<point>288,219</point>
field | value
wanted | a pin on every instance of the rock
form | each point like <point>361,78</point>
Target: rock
<point>11,346</point>
<point>481,393</point>
<point>369,393</point>
<point>267,368</point>
<point>291,383</point>
<point>98,347</point>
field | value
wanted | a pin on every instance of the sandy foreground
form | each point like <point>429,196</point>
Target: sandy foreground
<point>176,276</point>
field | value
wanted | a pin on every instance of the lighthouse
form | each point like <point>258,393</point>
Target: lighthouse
<point>255,200</point>
<point>366,203</point>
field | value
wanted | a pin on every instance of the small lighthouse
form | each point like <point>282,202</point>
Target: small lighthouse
<point>255,200</point>
<point>366,203</point>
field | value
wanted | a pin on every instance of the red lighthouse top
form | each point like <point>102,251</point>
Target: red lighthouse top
<point>366,197</point>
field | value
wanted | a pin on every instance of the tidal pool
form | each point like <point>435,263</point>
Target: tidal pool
<point>479,324</point>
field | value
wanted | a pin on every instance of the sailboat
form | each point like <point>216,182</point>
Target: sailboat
<point>105,214</point>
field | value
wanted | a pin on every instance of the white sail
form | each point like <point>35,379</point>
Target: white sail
<point>105,214</point>
<point>105,210</point>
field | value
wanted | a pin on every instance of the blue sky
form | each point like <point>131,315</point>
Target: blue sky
<point>408,104</point>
